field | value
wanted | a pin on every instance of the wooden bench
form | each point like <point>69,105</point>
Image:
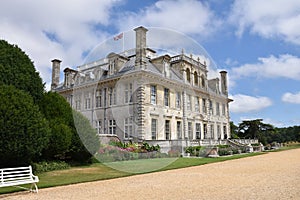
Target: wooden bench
<point>18,176</point>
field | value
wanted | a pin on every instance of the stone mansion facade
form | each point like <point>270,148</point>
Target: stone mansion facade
<point>141,96</point>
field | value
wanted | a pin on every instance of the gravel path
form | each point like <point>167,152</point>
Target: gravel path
<point>274,175</point>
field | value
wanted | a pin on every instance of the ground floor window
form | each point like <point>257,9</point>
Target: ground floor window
<point>190,131</point>
<point>198,131</point>
<point>112,127</point>
<point>167,129</point>
<point>205,130</point>
<point>212,132</point>
<point>128,128</point>
<point>219,131</point>
<point>99,127</point>
<point>225,132</point>
<point>178,127</point>
<point>154,129</point>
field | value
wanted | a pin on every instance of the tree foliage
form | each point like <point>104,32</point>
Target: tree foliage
<point>85,141</point>
<point>23,129</point>
<point>70,131</point>
<point>17,69</point>
<point>265,133</point>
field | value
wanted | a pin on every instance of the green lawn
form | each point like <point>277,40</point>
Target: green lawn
<point>100,171</point>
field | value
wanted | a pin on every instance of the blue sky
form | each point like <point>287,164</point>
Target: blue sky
<point>257,42</point>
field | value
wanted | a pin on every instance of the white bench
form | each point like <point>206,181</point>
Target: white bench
<point>18,176</point>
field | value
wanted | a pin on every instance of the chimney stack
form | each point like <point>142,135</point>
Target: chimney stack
<point>224,89</point>
<point>55,73</point>
<point>141,45</point>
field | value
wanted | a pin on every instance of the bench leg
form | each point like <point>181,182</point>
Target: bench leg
<point>35,188</point>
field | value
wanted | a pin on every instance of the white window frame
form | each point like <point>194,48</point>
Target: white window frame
<point>112,127</point>
<point>154,129</point>
<point>153,94</point>
<point>128,128</point>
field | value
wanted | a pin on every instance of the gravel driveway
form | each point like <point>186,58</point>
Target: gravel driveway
<point>274,175</point>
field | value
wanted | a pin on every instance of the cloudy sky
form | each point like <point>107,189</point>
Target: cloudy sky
<point>257,42</point>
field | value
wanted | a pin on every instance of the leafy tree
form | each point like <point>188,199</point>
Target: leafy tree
<point>71,132</point>
<point>255,129</point>
<point>59,114</point>
<point>233,131</point>
<point>86,142</point>
<point>17,69</point>
<point>23,129</point>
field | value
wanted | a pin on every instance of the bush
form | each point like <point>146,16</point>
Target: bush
<point>193,150</point>
<point>24,132</point>
<point>49,166</point>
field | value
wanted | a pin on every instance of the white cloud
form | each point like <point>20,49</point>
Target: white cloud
<point>286,66</point>
<point>268,19</point>
<point>291,98</point>
<point>244,103</point>
<point>54,29</point>
<point>187,16</point>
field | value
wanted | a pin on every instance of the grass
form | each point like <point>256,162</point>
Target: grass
<point>100,171</point>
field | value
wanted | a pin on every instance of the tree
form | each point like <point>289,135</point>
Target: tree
<point>233,131</point>
<point>23,129</point>
<point>72,135</point>
<point>17,69</point>
<point>86,141</point>
<point>255,129</point>
<point>58,112</point>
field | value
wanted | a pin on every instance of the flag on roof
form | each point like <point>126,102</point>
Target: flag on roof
<point>118,37</point>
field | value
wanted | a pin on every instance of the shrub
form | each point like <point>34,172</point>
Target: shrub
<point>49,166</point>
<point>23,130</point>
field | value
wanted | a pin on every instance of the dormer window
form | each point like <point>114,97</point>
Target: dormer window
<point>111,67</point>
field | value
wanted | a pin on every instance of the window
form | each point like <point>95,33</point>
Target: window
<point>211,110</point>
<point>219,131</point>
<point>87,104</point>
<point>212,131</point>
<point>218,108</point>
<point>112,127</point>
<point>128,92</point>
<point>223,109</point>
<point>128,128</point>
<point>99,127</point>
<point>204,110</point>
<point>225,132</point>
<point>77,104</point>
<point>190,131</point>
<point>154,128</point>
<point>196,78</point>
<point>166,96</point>
<point>153,94</point>
<point>112,67</point>
<point>202,81</point>
<point>112,96</point>
<point>167,129</point>
<point>179,136</point>
<point>205,130</point>
<point>198,131</point>
<point>188,102</point>
<point>196,104</point>
<point>188,75</point>
<point>178,100</point>
<point>99,98</point>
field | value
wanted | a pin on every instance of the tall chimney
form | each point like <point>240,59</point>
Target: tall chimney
<point>55,73</point>
<point>224,89</point>
<point>140,49</point>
